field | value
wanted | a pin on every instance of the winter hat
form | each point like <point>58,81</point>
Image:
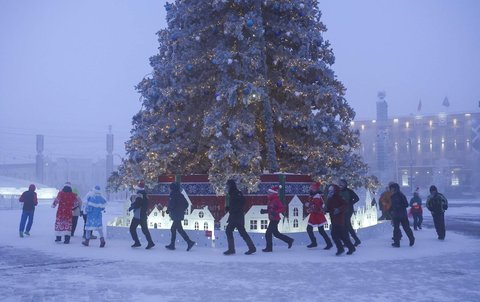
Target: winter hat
<point>433,189</point>
<point>68,184</point>
<point>175,187</point>
<point>140,186</point>
<point>344,182</point>
<point>32,187</point>
<point>394,186</point>
<point>96,189</point>
<point>274,189</point>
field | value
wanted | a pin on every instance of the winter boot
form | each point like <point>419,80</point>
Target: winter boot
<point>136,244</point>
<point>171,247</point>
<point>396,244</point>
<point>267,250</point>
<point>190,244</point>
<point>102,242</point>
<point>312,245</point>
<point>85,242</point>
<point>357,243</point>
<point>93,237</point>
<point>58,238</point>
<point>290,243</point>
<point>350,251</point>
<point>412,241</point>
<point>251,250</point>
<point>150,245</point>
<point>339,252</point>
<point>21,234</point>
<point>329,246</point>
<point>229,252</point>
<point>67,239</point>
<point>27,233</point>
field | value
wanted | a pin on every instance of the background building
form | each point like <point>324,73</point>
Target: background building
<point>418,151</point>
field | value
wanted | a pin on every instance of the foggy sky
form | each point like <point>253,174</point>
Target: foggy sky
<point>68,68</point>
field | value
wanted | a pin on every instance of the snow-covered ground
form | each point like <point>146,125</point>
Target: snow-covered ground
<point>37,269</point>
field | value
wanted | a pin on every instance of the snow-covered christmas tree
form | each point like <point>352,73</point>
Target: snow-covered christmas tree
<point>240,87</point>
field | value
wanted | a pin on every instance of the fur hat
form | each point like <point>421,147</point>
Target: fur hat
<point>68,184</point>
<point>96,189</point>
<point>433,189</point>
<point>32,187</point>
<point>140,186</point>
<point>274,189</point>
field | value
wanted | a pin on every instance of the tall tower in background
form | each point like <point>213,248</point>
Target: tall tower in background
<point>109,164</point>
<point>382,132</point>
<point>40,161</point>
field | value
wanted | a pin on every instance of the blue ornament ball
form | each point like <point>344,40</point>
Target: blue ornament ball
<point>293,69</point>
<point>249,22</point>
<point>278,33</point>
<point>172,130</point>
<point>246,91</point>
<point>189,67</point>
<point>279,84</point>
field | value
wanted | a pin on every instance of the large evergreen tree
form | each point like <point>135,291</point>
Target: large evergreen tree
<point>240,87</point>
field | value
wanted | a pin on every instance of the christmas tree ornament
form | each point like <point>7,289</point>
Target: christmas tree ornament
<point>250,23</point>
<point>197,38</point>
<point>229,61</point>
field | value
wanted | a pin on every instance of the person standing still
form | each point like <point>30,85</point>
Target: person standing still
<point>437,204</point>
<point>351,198</point>
<point>30,201</point>
<point>236,219</point>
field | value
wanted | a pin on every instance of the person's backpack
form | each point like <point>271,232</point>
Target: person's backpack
<point>184,202</point>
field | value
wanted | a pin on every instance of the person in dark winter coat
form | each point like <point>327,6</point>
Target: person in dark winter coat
<point>236,219</point>
<point>416,210</point>
<point>317,218</point>
<point>274,208</point>
<point>437,204</point>
<point>336,207</point>
<point>29,200</point>
<point>351,198</point>
<point>139,206</point>
<point>177,204</point>
<point>399,215</point>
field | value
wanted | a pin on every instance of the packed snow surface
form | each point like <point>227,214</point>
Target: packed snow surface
<point>35,268</point>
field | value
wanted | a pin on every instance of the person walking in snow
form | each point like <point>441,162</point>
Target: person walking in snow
<point>337,207</point>
<point>317,218</point>
<point>66,201</point>
<point>274,208</point>
<point>177,204</point>
<point>95,206</point>
<point>29,200</point>
<point>416,210</point>
<point>76,212</point>
<point>437,204</point>
<point>351,198</point>
<point>139,207</point>
<point>83,213</point>
<point>236,219</point>
<point>399,215</point>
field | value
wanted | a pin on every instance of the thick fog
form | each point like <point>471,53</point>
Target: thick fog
<point>68,68</point>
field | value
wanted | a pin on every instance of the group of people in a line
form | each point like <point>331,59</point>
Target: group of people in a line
<point>339,204</point>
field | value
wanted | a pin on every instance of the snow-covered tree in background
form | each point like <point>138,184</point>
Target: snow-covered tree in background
<point>240,87</point>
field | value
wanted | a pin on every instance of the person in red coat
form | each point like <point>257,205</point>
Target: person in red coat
<point>317,218</point>
<point>337,207</point>
<point>274,208</point>
<point>66,201</point>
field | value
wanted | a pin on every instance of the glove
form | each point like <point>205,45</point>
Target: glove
<point>336,211</point>
<point>130,208</point>
<point>263,211</point>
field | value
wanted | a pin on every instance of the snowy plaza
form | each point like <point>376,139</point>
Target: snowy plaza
<point>36,268</point>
